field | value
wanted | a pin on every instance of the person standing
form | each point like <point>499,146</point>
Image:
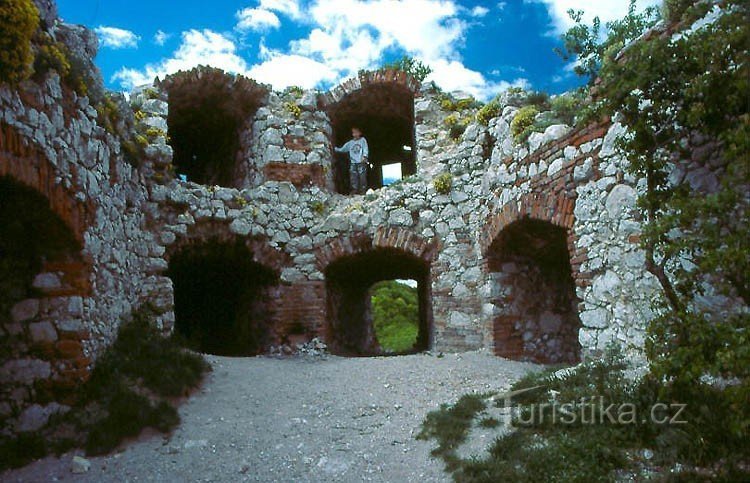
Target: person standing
<point>358,158</point>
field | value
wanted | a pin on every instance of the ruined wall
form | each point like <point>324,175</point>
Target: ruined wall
<point>131,222</point>
<point>52,142</point>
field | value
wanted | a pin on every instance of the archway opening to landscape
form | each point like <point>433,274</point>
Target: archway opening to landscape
<point>222,298</point>
<point>378,304</point>
<point>385,114</point>
<point>536,316</point>
<point>33,239</point>
<point>208,110</point>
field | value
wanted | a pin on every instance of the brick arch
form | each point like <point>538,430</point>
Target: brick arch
<point>556,209</point>
<point>25,163</point>
<point>370,78</point>
<point>263,253</point>
<point>385,237</point>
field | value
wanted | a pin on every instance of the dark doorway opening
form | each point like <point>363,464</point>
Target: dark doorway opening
<point>207,111</point>
<point>351,283</point>
<point>31,236</point>
<point>385,114</point>
<point>222,298</point>
<point>534,293</point>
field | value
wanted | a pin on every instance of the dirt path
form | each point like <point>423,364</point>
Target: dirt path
<point>299,419</point>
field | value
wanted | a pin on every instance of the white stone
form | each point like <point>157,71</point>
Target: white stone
<point>43,332</point>
<point>620,200</point>
<point>596,318</point>
<point>47,281</point>
<point>80,465</point>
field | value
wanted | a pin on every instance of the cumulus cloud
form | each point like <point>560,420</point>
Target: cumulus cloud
<point>116,38</point>
<point>455,76</point>
<point>290,8</point>
<point>198,47</point>
<point>343,36</point>
<point>606,10</point>
<point>479,11</point>
<point>257,19</point>
<point>161,37</point>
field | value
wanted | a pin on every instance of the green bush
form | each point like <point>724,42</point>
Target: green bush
<point>522,121</point>
<point>293,108</point>
<point>489,111</point>
<point>19,20</point>
<point>415,68</point>
<point>395,315</point>
<point>443,183</point>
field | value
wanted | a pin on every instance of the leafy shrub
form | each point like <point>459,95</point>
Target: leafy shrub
<point>293,108</point>
<point>295,91</point>
<point>411,66</point>
<point>443,183</point>
<point>395,315</point>
<point>489,111</point>
<point>318,207</point>
<point>522,121</point>
<point>18,22</point>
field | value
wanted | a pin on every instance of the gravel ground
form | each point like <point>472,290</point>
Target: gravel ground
<point>299,419</point>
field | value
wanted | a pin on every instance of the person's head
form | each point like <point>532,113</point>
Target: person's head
<point>356,132</point>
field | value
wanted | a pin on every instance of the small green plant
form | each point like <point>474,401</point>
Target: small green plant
<point>18,22</point>
<point>140,115</point>
<point>522,121</point>
<point>489,111</point>
<point>443,183</point>
<point>295,91</point>
<point>51,55</point>
<point>318,207</point>
<point>293,108</point>
<point>151,93</point>
<point>155,132</point>
<point>489,423</point>
<point>240,201</point>
<point>415,68</point>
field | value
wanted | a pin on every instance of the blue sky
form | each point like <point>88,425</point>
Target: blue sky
<point>477,47</point>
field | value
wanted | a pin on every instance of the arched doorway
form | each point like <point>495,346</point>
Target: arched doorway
<point>534,293</point>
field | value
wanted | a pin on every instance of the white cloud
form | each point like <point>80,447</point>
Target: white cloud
<point>606,10</point>
<point>454,76</point>
<point>290,8</point>
<point>257,19</point>
<point>502,5</point>
<point>116,38</point>
<point>161,37</point>
<point>479,11</point>
<point>198,47</point>
<point>343,37</point>
<point>284,70</point>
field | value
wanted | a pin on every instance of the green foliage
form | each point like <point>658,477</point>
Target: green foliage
<point>572,108</point>
<point>19,20</point>
<point>51,55</point>
<point>395,315</point>
<point>522,122</point>
<point>295,91</point>
<point>443,183</point>
<point>155,132</point>
<point>456,125</point>
<point>451,104</point>
<point>488,111</point>
<point>450,425</point>
<point>543,449</point>
<point>411,66</point>
<point>130,389</point>
<point>585,43</point>
<point>293,108</point>
<point>318,207</point>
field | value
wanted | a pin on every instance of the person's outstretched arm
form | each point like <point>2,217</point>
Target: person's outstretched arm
<point>343,149</point>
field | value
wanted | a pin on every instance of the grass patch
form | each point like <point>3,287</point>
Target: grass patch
<point>132,387</point>
<point>542,448</point>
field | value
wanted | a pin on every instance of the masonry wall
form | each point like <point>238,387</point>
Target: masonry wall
<point>130,222</point>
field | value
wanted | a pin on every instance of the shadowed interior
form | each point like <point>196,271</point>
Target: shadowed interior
<point>534,294</point>
<point>222,298</point>
<point>385,113</point>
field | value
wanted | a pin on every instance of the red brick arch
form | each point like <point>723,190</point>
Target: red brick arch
<point>263,253</point>
<point>384,237</point>
<point>385,76</point>
<point>556,209</point>
<point>25,163</point>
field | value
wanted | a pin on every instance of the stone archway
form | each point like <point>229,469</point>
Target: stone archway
<point>528,247</point>
<point>352,265</point>
<point>208,109</point>
<point>381,103</point>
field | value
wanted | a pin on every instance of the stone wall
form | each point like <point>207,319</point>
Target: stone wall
<point>131,221</point>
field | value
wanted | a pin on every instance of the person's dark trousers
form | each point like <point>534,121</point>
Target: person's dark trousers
<point>358,177</point>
